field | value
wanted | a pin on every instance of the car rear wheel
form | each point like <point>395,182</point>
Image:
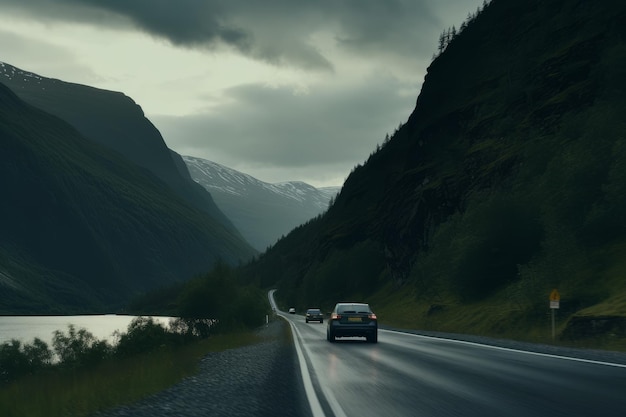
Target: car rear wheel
<point>373,338</point>
<point>330,336</point>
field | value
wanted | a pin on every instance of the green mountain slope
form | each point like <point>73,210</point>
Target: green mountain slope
<point>115,121</point>
<point>508,180</point>
<point>85,230</point>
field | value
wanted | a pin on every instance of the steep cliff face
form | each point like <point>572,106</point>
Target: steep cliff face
<point>506,176</point>
<point>83,229</point>
<point>114,120</point>
<point>506,81</point>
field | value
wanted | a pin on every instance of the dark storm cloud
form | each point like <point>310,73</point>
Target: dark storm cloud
<point>274,31</point>
<point>182,22</point>
<point>362,61</point>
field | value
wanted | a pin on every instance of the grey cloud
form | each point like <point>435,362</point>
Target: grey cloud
<point>17,50</point>
<point>59,10</point>
<point>274,31</point>
<point>273,126</point>
<point>383,26</point>
<point>332,126</point>
<point>183,22</point>
<point>208,24</point>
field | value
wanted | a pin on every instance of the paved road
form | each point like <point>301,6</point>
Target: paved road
<point>402,375</point>
<point>414,375</point>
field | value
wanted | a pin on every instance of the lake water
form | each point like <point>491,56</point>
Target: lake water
<point>26,328</point>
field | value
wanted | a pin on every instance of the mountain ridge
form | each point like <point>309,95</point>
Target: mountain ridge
<point>92,112</point>
<point>505,182</point>
<point>83,228</point>
<point>261,211</point>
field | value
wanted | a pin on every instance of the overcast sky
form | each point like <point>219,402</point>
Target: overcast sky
<point>279,89</point>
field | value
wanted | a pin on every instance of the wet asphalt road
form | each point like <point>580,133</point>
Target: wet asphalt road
<point>415,375</point>
<point>405,374</point>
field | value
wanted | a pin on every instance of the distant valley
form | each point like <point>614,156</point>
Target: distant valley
<point>97,209</point>
<point>261,211</point>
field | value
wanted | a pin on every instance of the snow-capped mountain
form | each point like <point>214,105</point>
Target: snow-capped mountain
<point>10,72</point>
<point>262,212</point>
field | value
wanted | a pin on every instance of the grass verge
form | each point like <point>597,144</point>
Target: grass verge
<point>75,393</point>
<point>494,317</point>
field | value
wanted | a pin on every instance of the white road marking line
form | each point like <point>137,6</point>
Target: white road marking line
<point>311,395</point>
<point>547,355</point>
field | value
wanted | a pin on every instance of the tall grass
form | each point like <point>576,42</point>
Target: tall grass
<point>73,393</point>
<point>492,317</point>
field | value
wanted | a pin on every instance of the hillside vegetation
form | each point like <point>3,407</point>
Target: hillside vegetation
<point>114,120</point>
<point>507,181</point>
<point>85,230</point>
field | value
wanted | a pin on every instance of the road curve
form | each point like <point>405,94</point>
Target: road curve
<point>415,375</point>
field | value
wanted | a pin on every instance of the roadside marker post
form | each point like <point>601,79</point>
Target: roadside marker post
<point>555,299</point>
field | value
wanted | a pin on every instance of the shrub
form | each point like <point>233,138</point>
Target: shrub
<point>217,302</point>
<point>79,347</point>
<point>144,335</point>
<point>38,354</point>
<point>193,328</point>
<point>17,359</point>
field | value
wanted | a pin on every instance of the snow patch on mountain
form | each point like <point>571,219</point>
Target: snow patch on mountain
<point>15,74</point>
<point>261,211</point>
<point>216,177</point>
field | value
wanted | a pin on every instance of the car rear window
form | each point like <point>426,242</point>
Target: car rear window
<point>314,311</point>
<point>354,308</point>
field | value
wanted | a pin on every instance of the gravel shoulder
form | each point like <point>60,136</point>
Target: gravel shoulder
<point>259,380</point>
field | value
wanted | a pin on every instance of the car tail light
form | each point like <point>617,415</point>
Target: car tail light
<point>335,316</point>
<point>372,316</point>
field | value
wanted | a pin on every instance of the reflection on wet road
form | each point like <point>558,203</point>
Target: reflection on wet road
<point>411,375</point>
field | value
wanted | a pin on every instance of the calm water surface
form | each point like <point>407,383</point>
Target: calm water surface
<point>26,328</point>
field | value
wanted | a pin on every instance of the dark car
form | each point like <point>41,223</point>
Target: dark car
<point>352,320</point>
<point>314,314</point>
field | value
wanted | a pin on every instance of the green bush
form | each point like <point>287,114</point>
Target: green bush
<point>144,335</point>
<point>17,359</point>
<point>251,308</point>
<point>214,303</point>
<point>217,302</point>
<point>79,348</point>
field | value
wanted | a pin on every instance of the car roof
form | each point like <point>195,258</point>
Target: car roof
<point>352,304</point>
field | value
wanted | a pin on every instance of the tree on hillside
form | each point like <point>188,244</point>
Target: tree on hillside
<point>448,35</point>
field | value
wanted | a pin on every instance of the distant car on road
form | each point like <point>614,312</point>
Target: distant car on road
<point>292,310</point>
<point>352,320</point>
<point>314,314</point>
